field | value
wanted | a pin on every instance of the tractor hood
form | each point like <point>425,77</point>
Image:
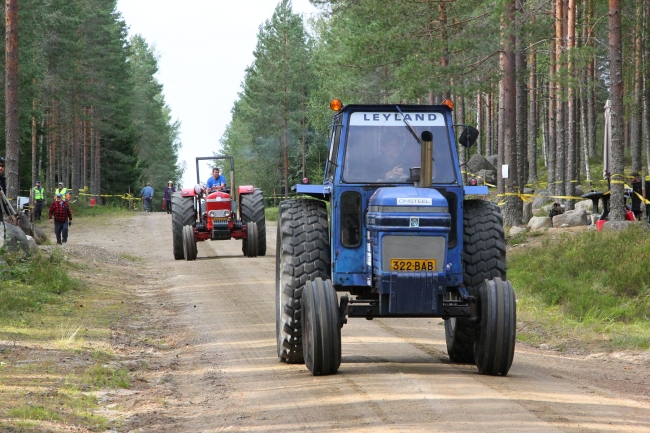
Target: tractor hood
<point>407,199</point>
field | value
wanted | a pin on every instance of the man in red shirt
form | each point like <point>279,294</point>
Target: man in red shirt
<point>61,213</point>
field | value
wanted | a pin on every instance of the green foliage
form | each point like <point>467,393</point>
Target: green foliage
<point>157,135</point>
<point>268,132</point>
<point>34,282</point>
<point>592,277</point>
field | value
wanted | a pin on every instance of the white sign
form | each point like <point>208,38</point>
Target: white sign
<point>414,201</point>
<point>504,171</point>
<point>396,119</point>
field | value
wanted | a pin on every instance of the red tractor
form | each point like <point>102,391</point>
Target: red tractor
<point>199,214</point>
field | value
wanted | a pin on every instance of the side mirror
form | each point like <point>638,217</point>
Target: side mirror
<point>468,137</point>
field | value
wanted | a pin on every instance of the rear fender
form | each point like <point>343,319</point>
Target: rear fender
<point>245,189</point>
<point>188,192</point>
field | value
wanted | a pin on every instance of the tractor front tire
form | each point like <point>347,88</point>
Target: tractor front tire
<point>183,214</point>
<point>190,249</point>
<point>302,255</point>
<point>484,257</point>
<point>494,347</point>
<point>321,331</point>
<point>251,241</point>
<point>252,209</point>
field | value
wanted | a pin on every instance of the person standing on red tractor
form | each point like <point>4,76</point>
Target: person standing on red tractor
<point>60,211</point>
<point>216,182</point>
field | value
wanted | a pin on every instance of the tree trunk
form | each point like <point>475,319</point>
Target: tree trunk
<point>532,116</point>
<point>551,111</point>
<point>512,210</point>
<point>34,142</point>
<point>489,133</point>
<point>616,77</point>
<point>521,121</point>
<point>444,60</point>
<point>591,82</point>
<point>635,112</point>
<point>11,99</point>
<point>479,123</point>
<point>572,155</point>
<point>98,163</point>
<point>501,187</point>
<point>646,92</point>
<point>560,144</point>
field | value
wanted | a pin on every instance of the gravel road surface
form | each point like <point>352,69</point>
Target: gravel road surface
<point>395,375</point>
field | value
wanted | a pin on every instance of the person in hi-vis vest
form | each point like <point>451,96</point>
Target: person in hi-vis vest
<point>65,192</point>
<point>39,200</point>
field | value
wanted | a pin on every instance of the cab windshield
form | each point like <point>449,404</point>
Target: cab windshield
<point>380,148</point>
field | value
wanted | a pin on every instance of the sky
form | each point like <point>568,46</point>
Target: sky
<point>204,48</point>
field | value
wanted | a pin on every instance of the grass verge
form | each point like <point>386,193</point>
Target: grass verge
<point>589,288</point>
<point>55,347</point>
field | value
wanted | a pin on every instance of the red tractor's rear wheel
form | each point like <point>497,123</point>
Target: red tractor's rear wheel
<point>252,209</point>
<point>183,214</point>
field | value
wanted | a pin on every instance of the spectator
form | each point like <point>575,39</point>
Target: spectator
<point>65,192</point>
<point>60,210</point>
<point>556,209</point>
<point>39,200</point>
<point>168,196</point>
<point>147,196</point>
<point>3,179</point>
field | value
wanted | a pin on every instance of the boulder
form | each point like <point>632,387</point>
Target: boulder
<point>515,230</point>
<point>572,218</point>
<point>487,176</point>
<point>40,236</point>
<point>584,204</point>
<point>620,225</point>
<point>493,159</point>
<point>25,225</point>
<point>477,163</point>
<point>33,247</point>
<point>537,223</point>
<point>13,239</point>
<point>538,202</point>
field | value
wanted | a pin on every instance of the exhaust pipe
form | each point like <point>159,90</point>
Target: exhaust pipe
<point>426,163</point>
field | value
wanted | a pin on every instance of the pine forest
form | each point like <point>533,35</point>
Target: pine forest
<point>83,106</point>
<point>533,75</point>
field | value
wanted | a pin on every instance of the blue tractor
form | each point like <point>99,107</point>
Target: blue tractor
<point>401,238</point>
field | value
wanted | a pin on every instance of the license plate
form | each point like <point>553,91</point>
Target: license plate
<point>412,265</point>
<point>219,220</point>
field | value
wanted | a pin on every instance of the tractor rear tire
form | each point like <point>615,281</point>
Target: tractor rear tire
<point>302,255</point>
<point>494,347</point>
<point>251,241</point>
<point>252,209</point>
<point>183,214</point>
<point>321,331</point>
<point>484,257</point>
<point>190,249</point>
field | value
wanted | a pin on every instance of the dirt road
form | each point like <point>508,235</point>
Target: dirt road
<point>223,374</point>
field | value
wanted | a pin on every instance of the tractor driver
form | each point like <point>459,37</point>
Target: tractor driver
<point>397,155</point>
<point>216,182</point>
